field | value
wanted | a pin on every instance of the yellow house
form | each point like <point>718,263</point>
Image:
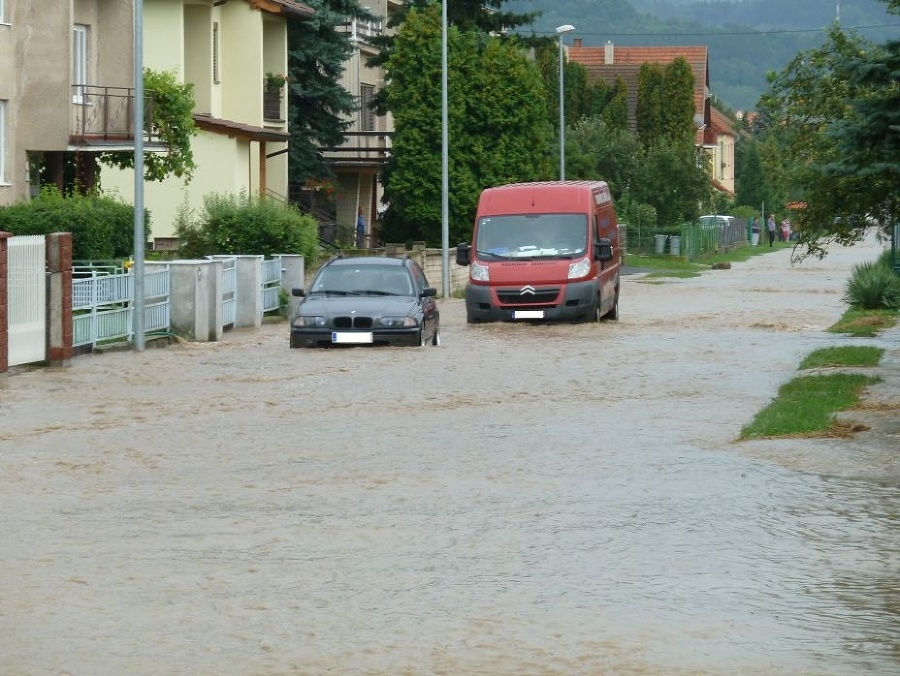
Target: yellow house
<point>224,48</point>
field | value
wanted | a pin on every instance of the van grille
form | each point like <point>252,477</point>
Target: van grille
<point>546,296</point>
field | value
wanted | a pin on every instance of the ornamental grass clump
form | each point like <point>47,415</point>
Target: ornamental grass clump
<point>873,286</point>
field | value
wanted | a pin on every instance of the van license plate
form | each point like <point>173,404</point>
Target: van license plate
<point>528,314</point>
<point>338,337</point>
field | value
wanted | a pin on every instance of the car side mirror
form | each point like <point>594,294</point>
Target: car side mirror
<point>299,293</point>
<point>463,253</point>
<point>429,291</point>
<point>603,250</point>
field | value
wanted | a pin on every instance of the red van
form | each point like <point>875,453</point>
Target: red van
<point>543,251</point>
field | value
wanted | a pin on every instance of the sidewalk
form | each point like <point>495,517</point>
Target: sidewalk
<point>873,452</point>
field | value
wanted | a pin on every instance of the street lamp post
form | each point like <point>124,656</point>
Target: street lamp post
<point>562,30</point>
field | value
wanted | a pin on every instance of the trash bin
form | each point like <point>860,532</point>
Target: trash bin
<point>675,245</point>
<point>754,239</point>
<point>660,244</point>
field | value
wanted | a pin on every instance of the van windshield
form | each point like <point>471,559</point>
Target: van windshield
<point>532,236</point>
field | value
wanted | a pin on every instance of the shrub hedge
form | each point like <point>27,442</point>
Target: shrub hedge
<point>101,227</point>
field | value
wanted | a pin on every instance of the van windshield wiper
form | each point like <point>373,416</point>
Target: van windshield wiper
<point>491,254</point>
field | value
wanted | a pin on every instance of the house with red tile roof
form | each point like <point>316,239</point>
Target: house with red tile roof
<point>714,131</point>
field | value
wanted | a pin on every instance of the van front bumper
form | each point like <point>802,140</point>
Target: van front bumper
<point>544,302</point>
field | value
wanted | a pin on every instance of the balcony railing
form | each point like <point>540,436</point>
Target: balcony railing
<point>361,147</point>
<point>105,115</point>
<point>361,31</point>
<point>272,103</point>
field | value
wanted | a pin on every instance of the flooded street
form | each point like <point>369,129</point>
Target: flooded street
<point>524,499</point>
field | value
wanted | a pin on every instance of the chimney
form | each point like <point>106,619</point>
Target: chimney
<point>576,42</point>
<point>609,53</point>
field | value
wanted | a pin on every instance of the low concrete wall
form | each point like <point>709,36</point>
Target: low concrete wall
<point>431,261</point>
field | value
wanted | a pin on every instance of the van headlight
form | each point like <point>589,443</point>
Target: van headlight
<point>479,272</point>
<point>579,268</point>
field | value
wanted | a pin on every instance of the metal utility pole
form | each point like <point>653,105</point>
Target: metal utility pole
<point>445,161</point>
<point>138,306</point>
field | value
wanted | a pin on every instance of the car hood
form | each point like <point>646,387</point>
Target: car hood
<point>360,305</point>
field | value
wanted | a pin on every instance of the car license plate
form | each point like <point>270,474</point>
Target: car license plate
<point>528,314</point>
<point>349,338</point>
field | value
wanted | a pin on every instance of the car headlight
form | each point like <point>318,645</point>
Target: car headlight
<point>579,268</point>
<point>310,320</point>
<point>397,322</point>
<point>480,273</point>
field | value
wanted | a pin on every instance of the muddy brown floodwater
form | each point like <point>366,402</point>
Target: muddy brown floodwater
<point>524,499</point>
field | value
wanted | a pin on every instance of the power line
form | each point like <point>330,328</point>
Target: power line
<point>735,33</point>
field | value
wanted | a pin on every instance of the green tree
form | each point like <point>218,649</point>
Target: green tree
<point>171,119</point>
<point>678,94</point>
<point>497,125</point>
<point>750,184</point>
<point>830,124</point>
<point>649,113</point>
<point>319,108</point>
<point>595,150</point>
<point>672,179</point>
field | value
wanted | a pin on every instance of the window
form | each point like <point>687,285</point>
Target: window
<point>2,139</point>
<point>79,61</point>
<point>366,114</point>
<point>2,11</point>
<point>215,52</point>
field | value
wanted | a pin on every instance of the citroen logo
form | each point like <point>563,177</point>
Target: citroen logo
<point>526,290</point>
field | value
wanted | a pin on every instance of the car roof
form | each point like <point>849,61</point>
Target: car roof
<point>357,261</point>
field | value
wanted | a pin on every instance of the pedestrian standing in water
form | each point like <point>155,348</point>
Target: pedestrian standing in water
<point>771,226</point>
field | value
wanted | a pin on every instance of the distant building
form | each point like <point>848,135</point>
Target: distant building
<point>714,131</point>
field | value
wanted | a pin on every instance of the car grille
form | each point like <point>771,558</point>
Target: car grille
<point>352,322</point>
<point>545,296</point>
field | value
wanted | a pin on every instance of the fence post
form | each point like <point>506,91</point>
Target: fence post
<point>60,329</point>
<point>248,282</point>
<point>4,303</point>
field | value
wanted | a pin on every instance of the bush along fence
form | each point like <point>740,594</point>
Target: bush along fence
<point>689,240</point>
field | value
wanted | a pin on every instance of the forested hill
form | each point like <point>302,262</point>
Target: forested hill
<point>746,38</point>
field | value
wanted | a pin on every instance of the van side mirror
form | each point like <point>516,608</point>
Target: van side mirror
<point>603,250</point>
<point>298,293</point>
<point>463,253</point>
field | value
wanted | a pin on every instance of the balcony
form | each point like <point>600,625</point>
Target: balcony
<point>361,31</point>
<point>104,116</point>
<point>360,148</point>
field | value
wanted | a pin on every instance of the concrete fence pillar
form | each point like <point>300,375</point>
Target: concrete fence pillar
<point>248,291</point>
<point>4,302</point>
<point>195,296</point>
<point>60,328</point>
<point>293,274</point>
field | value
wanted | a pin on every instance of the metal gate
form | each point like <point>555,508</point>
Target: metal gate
<point>27,299</point>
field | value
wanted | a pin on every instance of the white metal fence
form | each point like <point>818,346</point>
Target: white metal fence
<point>103,305</point>
<point>102,299</point>
<point>27,299</point>
<point>271,284</point>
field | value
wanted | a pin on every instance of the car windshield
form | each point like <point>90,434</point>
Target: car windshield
<point>532,236</point>
<point>372,280</point>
